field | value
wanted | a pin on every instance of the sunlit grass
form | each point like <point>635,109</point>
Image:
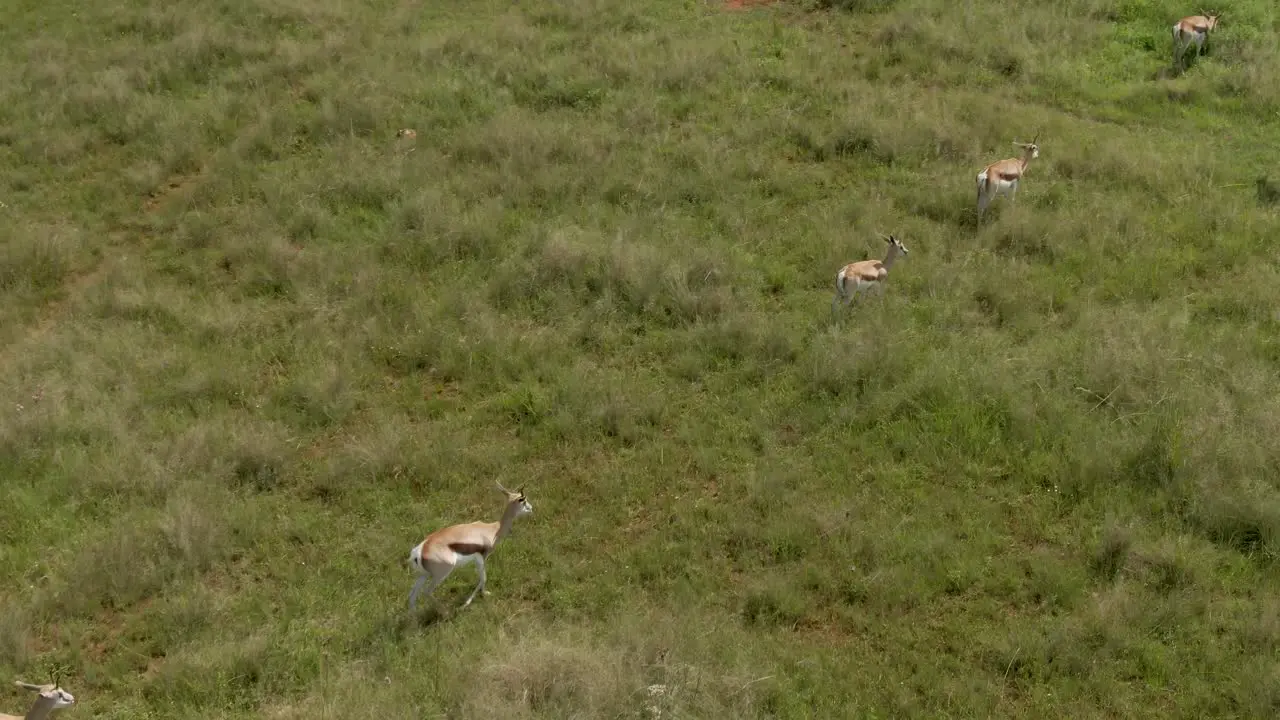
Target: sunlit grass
<point>254,346</point>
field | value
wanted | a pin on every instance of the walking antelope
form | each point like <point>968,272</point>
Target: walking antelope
<point>866,274</point>
<point>444,550</point>
<point>50,698</point>
<point>1190,31</point>
<point>1003,176</point>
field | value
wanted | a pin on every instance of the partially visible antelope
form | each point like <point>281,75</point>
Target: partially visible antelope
<point>444,550</point>
<point>864,275</point>
<point>49,699</point>
<point>1002,177</point>
<point>1190,31</point>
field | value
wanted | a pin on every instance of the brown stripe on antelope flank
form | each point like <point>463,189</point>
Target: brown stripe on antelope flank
<point>469,548</point>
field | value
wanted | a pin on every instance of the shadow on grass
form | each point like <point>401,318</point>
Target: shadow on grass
<point>427,617</point>
<point>397,625</point>
<point>1189,61</point>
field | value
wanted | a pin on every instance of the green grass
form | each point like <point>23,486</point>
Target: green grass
<point>252,349</point>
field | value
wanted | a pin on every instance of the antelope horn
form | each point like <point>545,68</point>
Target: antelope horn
<point>495,482</point>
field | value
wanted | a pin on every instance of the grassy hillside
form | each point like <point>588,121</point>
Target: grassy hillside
<point>253,348</point>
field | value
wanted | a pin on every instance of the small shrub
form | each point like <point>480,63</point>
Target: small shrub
<point>1112,552</point>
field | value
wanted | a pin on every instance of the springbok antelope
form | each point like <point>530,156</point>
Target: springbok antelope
<point>1003,176</point>
<point>866,274</point>
<point>50,699</point>
<point>444,550</point>
<point>1190,31</point>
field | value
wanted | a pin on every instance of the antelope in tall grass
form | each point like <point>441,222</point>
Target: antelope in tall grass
<point>1002,177</point>
<point>865,275</point>
<point>1190,31</point>
<point>444,550</point>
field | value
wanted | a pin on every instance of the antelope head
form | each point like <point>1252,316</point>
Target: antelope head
<point>516,497</point>
<point>1031,149</point>
<point>894,243</point>
<point>50,691</point>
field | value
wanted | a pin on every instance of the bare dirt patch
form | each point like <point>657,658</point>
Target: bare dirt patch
<point>747,4</point>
